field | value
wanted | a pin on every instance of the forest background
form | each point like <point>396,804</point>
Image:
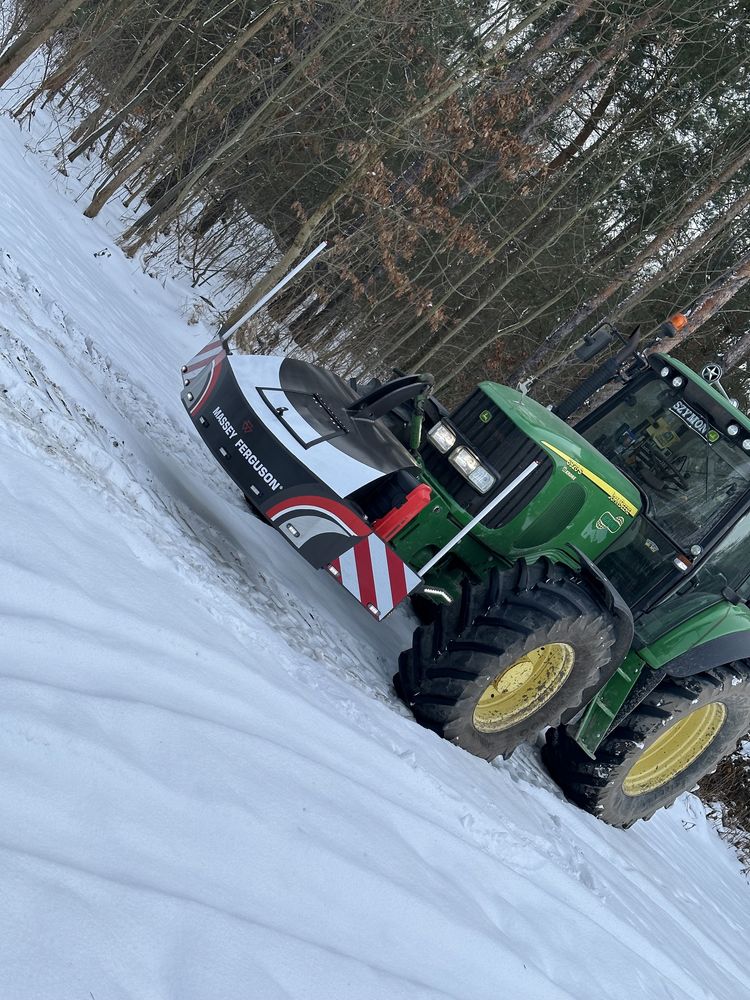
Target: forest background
<point>493,178</point>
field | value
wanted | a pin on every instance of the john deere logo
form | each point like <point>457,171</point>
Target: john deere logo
<point>485,416</point>
<point>713,436</point>
<point>610,522</point>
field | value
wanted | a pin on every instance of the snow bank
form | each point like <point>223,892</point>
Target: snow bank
<point>208,789</point>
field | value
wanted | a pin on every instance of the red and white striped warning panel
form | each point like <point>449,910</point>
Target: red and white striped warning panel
<point>374,575</point>
<point>371,571</point>
<point>208,388</point>
<point>213,351</point>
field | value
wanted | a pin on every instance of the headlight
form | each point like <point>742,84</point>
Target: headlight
<point>481,479</point>
<point>465,461</point>
<point>472,469</point>
<point>442,436</point>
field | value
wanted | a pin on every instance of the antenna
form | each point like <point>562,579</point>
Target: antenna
<point>274,291</point>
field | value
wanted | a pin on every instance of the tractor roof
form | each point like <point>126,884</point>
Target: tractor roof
<point>719,404</point>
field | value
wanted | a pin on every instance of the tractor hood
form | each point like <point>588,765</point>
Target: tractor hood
<point>559,494</point>
<point>568,449</point>
<point>306,409</point>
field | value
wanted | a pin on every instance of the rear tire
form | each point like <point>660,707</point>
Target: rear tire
<point>524,650</point>
<point>678,734</point>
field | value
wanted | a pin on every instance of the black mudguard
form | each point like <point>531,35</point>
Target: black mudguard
<point>613,602</point>
<point>714,653</point>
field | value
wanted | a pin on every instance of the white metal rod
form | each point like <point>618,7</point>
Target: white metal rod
<point>276,288</point>
<point>475,520</point>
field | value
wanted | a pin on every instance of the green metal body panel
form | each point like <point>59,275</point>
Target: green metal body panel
<point>714,622</point>
<point>607,509</point>
<point>607,702</point>
<point>610,504</point>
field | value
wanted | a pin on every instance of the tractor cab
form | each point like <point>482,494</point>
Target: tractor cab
<point>687,449</point>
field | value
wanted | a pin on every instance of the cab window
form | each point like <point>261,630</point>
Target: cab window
<point>690,473</point>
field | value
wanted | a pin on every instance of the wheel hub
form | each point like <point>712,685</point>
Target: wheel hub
<point>524,687</point>
<point>675,750</point>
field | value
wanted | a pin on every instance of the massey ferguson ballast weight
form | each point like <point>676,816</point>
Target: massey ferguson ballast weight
<point>590,579</point>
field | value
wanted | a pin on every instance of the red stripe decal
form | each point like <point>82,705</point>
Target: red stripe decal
<point>350,519</point>
<point>397,576</point>
<point>208,390</point>
<point>205,354</point>
<point>363,562</point>
<point>208,347</point>
<point>200,364</point>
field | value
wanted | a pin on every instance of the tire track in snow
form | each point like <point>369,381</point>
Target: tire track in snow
<point>54,424</point>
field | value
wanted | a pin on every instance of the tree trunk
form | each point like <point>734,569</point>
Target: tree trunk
<point>569,326</point>
<point>105,192</point>
<point>738,351</point>
<point>427,106</point>
<point>670,270</point>
<point>577,144</point>
<point>682,259</point>
<point>140,64</point>
<point>166,208</point>
<point>710,302</point>
<point>35,35</point>
<point>559,101</point>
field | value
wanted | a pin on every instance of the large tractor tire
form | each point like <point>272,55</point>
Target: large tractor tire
<point>524,650</point>
<point>678,734</point>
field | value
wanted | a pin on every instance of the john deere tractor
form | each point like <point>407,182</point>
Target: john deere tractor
<point>588,580</point>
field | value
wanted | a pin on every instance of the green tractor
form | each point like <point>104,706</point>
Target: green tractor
<point>589,580</point>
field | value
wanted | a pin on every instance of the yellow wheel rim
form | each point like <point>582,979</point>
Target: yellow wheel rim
<point>523,687</point>
<point>675,750</point>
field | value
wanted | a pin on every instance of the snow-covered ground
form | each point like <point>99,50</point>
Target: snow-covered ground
<point>207,788</point>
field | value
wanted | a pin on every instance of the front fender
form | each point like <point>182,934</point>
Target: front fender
<point>612,600</point>
<point>716,636</point>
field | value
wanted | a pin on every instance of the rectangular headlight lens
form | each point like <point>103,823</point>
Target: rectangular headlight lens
<point>465,461</point>
<point>442,436</point>
<point>472,469</point>
<point>481,479</point>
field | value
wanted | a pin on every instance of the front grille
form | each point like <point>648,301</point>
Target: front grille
<point>502,447</point>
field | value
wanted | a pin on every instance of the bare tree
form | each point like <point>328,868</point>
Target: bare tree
<point>105,191</point>
<point>40,30</point>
